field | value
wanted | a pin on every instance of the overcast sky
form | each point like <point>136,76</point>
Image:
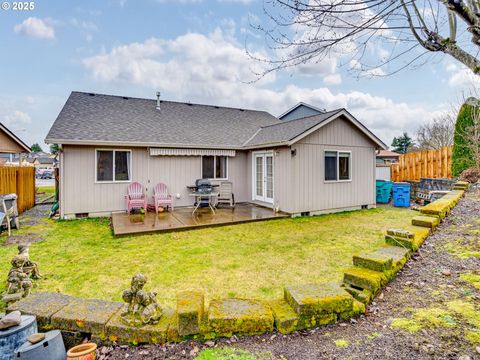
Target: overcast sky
<point>190,50</point>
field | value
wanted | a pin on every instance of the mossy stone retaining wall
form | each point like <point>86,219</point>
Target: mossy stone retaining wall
<point>303,306</point>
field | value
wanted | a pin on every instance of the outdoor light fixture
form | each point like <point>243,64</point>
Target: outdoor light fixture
<point>293,152</point>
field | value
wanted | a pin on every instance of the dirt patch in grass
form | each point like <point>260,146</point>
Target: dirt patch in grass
<point>256,260</point>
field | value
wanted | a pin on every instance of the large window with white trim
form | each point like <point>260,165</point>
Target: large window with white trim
<point>338,165</point>
<point>113,165</point>
<point>215,167</point>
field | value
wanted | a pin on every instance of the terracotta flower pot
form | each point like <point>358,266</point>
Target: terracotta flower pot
<point>82,352</point>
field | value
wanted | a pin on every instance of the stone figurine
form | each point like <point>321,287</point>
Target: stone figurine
<point>19,283</point>
<point>29,267</point>
<point>142,307</point>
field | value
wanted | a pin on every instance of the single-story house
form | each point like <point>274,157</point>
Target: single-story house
<point>44,163</point>
<point>298,164</point>
<point>11,144</point>
<point>387,157</point>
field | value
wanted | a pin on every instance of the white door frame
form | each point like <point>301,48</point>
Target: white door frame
<point>263,155</point>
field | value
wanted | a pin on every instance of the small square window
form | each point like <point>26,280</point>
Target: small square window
<point>337,166</point>
<point>113,165</point>
<point>214,167</point>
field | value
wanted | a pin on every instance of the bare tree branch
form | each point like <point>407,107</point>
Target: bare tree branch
<point>303,31</point>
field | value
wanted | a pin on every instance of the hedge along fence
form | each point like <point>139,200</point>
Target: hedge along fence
<point>303,306</point>
<point>21,181</point>
<point>425,163</point>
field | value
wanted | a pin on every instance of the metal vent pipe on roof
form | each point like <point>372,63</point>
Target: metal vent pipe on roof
<point>158,100</point>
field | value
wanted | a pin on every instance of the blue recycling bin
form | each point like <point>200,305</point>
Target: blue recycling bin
<point>401,194</point>
<point>384,188</point>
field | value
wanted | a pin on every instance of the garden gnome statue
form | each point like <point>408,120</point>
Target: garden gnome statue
<point>142,306</point>
<point>18,281</point>
<point>30,267</point>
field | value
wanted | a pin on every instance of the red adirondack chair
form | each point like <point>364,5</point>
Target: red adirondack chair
<point>135,197</point>
<point>162,197</point>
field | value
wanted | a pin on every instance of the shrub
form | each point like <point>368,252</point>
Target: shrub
<point>462,156</point>
<point>471,175</point>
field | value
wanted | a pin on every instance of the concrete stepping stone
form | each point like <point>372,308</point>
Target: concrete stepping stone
<point>405,239</point>
<point>318,304</point>
<point>85,315</point>
<point>430,222</point>
<point>43,305</point>
<point>362,295</point>
<point>399,255</point>
<point>190,310</point>
<point>286,320</point>
<point>239,316</point>
<point>117,330</point>
<point>364,279</point>
<point>373,261</point>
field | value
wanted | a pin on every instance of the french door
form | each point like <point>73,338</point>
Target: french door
<point>263,177</point>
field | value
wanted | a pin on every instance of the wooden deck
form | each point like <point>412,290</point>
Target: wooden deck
<point>182,219</point>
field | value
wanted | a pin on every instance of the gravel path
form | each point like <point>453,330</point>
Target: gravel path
<point>429,280</point>
<point>31,217</point>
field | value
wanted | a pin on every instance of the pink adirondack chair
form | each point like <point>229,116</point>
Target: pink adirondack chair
<point>135,197</point>
<point>162,197</point>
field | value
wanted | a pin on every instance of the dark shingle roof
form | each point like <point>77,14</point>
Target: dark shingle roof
<point>44,160</point>
<point>94,118</point>
<point>288,130</point>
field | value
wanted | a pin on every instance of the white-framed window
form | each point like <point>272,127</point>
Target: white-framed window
<point>338,165</point>
<point>113,165</point>
<point>215,167</point>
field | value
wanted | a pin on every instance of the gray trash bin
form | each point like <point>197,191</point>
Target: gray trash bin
<point>13,337</point>
<point>51,348</point>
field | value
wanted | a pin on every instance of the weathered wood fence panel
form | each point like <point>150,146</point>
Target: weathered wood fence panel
<point>425,163</point>
<point>21,181</point>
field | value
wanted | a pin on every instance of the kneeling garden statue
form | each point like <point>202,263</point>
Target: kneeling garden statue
<point>142,307</point>
<point>19,279</point>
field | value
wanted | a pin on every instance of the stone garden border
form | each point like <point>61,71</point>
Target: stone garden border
<point>302,307</point>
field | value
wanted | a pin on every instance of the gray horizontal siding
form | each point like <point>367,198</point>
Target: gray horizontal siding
<point>82,195</point>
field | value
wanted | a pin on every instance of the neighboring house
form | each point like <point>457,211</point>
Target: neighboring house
<point>299,111</point>
<point>44,164</point>
<point>10,144</point>
<point>311,165</point>
<point>387,157</point>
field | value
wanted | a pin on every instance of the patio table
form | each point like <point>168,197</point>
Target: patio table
<point>198,200</point>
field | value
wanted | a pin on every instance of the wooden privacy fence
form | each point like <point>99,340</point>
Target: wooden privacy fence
<point>425,163</point>
<point>21,181</point>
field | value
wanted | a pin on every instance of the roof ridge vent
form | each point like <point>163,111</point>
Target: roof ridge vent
<point>91,94</point>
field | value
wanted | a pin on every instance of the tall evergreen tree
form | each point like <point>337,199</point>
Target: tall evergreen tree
<point>402,143</point>
<point>464,139</point>
<point>36,148</point>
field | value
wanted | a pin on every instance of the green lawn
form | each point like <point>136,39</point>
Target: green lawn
<point>46,189</point>
<point>82,258</point>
